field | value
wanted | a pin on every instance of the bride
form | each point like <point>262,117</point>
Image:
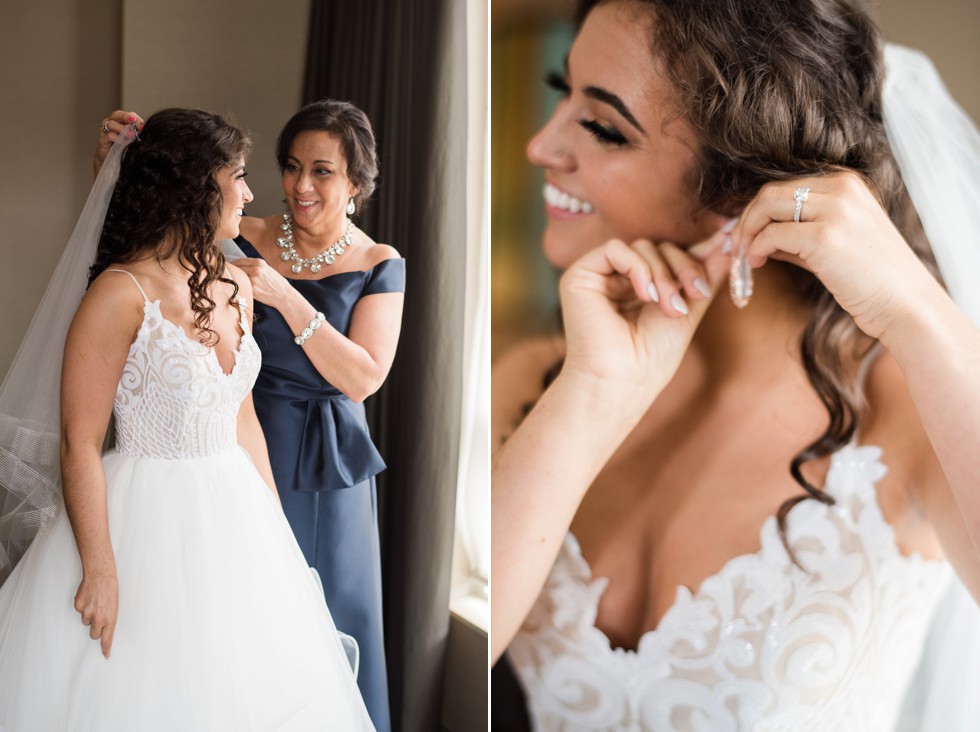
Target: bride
<point>714,518</point>
<point>168,592</point>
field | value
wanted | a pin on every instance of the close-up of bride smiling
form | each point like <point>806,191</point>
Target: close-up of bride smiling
<point>244,367</point>
<point>736,489</point>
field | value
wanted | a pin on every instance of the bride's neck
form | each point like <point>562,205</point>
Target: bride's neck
<point>731,341</point>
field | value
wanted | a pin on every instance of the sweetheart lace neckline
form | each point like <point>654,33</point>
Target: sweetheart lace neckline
<point>872,469</point>
<point>209,352</point>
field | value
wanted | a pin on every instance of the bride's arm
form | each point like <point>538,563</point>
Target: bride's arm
<point>622,349</point>
<point>539,477</point>
<point>848,242</point>
<point>95,354</point>
<point>252,438</point>
<point>249,430</point>
<point>938,351</point>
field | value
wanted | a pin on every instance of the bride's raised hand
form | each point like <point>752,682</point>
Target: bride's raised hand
<point>846,239</point>
<point>630,311</point>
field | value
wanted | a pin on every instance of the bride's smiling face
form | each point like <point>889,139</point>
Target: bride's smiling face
<point>618,157</point>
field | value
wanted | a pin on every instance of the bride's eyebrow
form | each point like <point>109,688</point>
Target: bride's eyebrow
<point>607,97</point>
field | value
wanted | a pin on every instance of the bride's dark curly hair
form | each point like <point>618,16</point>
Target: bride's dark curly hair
<point>167,201</point>
<point>776,90</point>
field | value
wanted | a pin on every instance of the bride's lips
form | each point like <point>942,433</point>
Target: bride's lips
<point>562,205</point>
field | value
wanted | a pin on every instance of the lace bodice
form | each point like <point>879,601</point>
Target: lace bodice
<point>761,645</point>
<point>173,400</point>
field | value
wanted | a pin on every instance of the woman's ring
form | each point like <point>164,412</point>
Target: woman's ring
<point>799,195</point>
<point>105,126</point>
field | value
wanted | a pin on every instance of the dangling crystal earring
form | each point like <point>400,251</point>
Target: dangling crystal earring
<point>351,208</point>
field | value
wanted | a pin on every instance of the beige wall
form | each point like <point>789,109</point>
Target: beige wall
<point>58,76</point>
<point>948,31</point>
<point>65,64</point>
<point>241,58</point>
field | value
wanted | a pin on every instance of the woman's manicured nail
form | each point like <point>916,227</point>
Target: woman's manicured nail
<point>131,118</point>
<point>701,286</point>
<point>652,292</point>
<point>729,225</point>
<point>677,302</point>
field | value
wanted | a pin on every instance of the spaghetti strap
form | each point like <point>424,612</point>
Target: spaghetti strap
<point>145,298</point>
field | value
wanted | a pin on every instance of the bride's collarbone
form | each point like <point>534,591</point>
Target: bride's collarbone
<point>688,494</point>
<point>175,305</point>
<point>672,508</point>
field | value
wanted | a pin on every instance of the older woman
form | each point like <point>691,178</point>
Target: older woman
<point>328,314</point>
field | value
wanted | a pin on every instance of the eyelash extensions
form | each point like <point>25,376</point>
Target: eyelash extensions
<point>603,134</point>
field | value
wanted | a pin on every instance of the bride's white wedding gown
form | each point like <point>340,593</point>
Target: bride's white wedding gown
<point>221,625</point>
<point>761,645</point>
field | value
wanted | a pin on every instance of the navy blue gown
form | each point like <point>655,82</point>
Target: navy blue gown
<point>324,463</point>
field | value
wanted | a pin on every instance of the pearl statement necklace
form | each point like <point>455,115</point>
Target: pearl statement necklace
<point>326,257</point>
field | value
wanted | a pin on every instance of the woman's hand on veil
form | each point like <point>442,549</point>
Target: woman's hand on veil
<point>97,600</point>
<point>847,240</point>
<point>630,311</point>
<point>109,131</point>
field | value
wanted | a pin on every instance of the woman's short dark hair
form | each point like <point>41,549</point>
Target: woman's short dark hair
<point>167,201</point>
<point>348,124</point>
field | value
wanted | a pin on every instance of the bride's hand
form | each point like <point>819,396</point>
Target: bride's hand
<point>97,600</point>
<point>846,239</point>
<point>630,311</point>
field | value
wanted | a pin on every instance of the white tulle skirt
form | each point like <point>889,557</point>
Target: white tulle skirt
<point>221,625</point>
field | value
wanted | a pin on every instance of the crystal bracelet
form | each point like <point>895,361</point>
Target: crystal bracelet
<point>308,331</point>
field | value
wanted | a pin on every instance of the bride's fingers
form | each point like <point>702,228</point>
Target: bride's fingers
<point>714,243</point>
<point>776,202</point>
<point>688,270</point>
<point>614,258</point>
<point>107,634</point>
<point>788,242</point>
<point>665,287</point>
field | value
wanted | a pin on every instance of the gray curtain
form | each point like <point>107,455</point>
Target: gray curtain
<point>400,62</point>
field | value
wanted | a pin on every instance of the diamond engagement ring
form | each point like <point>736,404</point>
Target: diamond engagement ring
<point>105,126</point>
<point>799,195</point>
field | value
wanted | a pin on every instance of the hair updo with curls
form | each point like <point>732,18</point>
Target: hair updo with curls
<point>167,201</point>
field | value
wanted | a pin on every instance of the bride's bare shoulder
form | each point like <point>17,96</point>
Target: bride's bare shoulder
<point>517,379</point>
<point>915,488</point>
<point>890,415</point>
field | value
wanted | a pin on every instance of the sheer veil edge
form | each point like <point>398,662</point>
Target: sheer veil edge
<point>937,147</point>
<point>30,415</point>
